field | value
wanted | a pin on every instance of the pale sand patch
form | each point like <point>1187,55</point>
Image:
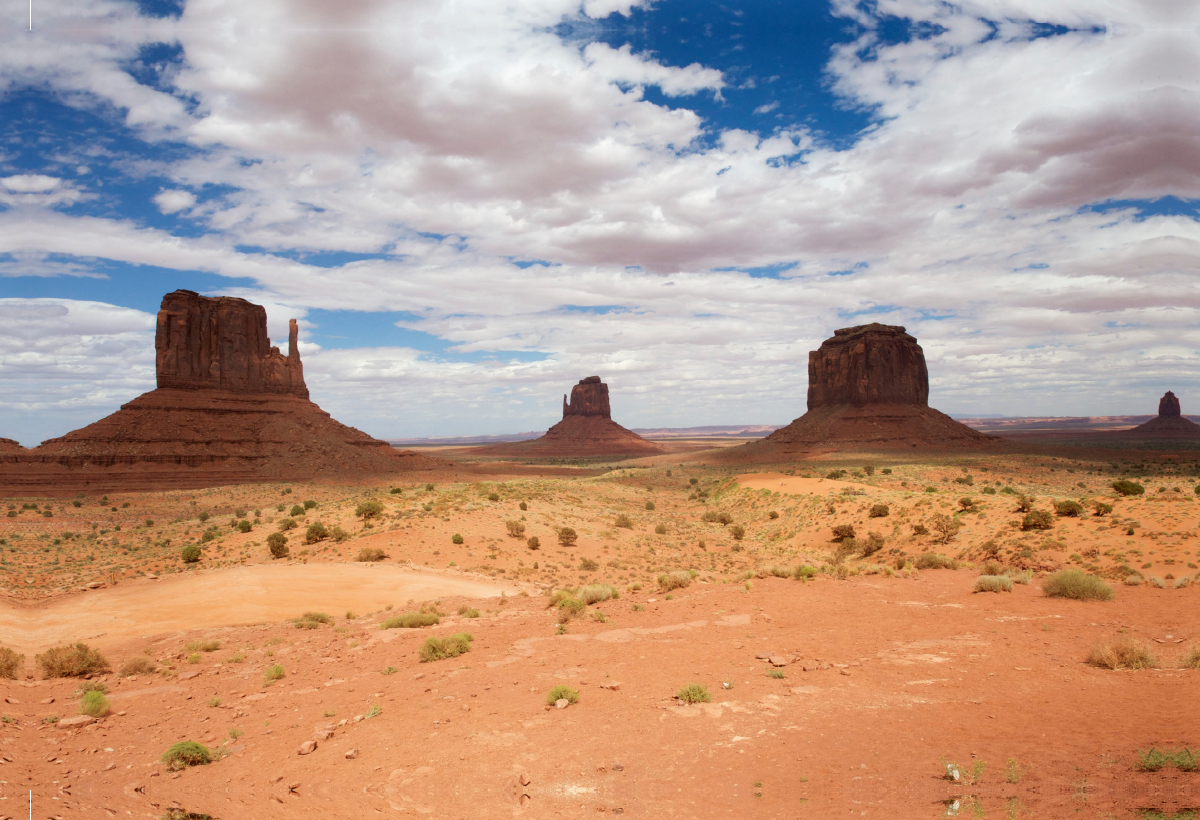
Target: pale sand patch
<point>230,596</point>
<point>794,485</point>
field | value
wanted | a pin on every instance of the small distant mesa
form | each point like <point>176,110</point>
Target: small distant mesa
<point>868,388</point>
<point>1169,423</point>
<point>229,408</point>
<point>586,429</point>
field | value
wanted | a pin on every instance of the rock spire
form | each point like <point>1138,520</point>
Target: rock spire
<point>588,398</point>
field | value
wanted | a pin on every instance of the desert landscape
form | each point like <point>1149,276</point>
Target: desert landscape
<point>875,610</point>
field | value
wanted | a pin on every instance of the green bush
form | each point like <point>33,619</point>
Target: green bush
<point>396,491</point>
<point>10,663</point>
<point>934,560</point>
<point>843,531</point>
<point>411,620</point>
<point>1125,487</point>
<point>872,545</point>
<point>437,649</point>
<point>1099,508</point>
<point>675,580</point>
<point>186,753</point>
<point>993,583</point>
<point>1068,509</point>
<point>456,539</point>
<point>370,554</point>
<point>273,673</point>
<point>73,661</point>
<point>296,510</point>
<point>715,517</point>
<point>277,544</point>
<point>738,532</point>
<point>650,506</point>
<point>493,496</point>
<point>561,692</point>
<point>623,521</point>
<point>202,517</point>
<point>191,553</point>
<point>693,693</point>
<point>533,542</point>
<point>315,532</point>
<point>244,526</point>
<point>286,524</point>
<point>308,505</point>
<point>803,572</point>
<point>568,607</point>
<point>567,536</point>
<point>1037,520</point>
<point>516,529</point>
<point>588,565</point>
<point>1152,760</point>
<point>835,475</point>
<point>879,511</point>
<point>1076,584</point>
<point>368,510</point>
<point>523,506</point>
<point>94,704</point>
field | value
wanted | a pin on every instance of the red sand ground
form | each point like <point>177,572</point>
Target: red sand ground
<point>910,671</point>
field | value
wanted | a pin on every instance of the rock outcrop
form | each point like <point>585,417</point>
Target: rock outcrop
<point>868,389</point>
<point>1169,423</point>
<point>586,429</point>
<point>229,409</point>
<point>204,343</point>
<point>868,364</point>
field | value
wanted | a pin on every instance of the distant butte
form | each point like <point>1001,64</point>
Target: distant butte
<point>868,388</point>
<point>229,409</point>
<point>586,429</point>
<point>1169,423</point>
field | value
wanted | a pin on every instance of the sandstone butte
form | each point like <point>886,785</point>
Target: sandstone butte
<point>586,429</point>
<point>229,408</point>
<point>1169,423</point>
<point>868,389</point>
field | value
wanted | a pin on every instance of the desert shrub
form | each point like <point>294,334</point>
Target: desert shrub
<point>1068,509</point>
<point>186,753</point>
<point>879,511</point>
<point>437,649</point>
<point>468,611</point>
<point>1099,508</point>
<point>315,532</point>
<point>273,673</point>
<point>533,542</point>
<point>843,531</point>
<point>1157,582</point>
<point>370,554</point>
<point>920,529</point>
<point>1024,503</point>
<point>945,527</point>
<point>934,560</point>
<point>869,469</point>
<point>965,479</point>
<point>1187,760</point>
<point>845,548</point>
<point>209,535</point>
<point>675,580</point>
<point>296,510</point>
<point>72,661</point>
<point>516,529</point>
<point>456,539</point>
<point>428,488</point>
<point>835,475</point>
<point>562,692</point>
<point>1125,487</point>
<point>738,532</point>
<point>650,506</point>
<point>10,663</point>
<point>94,704</point>
<point>191,553</point>
<point>660,529</point>
<point>1037,520</point>
<point>396,491</point>
<point>693,693</point>
<point>990,568</point>
<point>803,572</point>
<point>523,506</point>
<point>588,565</point>
<point>411,620</point>
<point>202,517</point>
<point>137,665</point>
<point>993,583</point>
<point>567,536</point>
<point>623,521</point>
<point>872,545</point>
<point>1124,653</point>
<point>1073,583</point>
<point>308,505</point>
<point>493,496</point>
<point>1191,658</point>
<point>203,646</point>
<point>596,593</point>
<point>966,503</point>
<point>1133,580</point>
<point>277,544</point>
<point>368,510</point>
<point>989,491</point>
<point>568,607</point>
<point>1152,760</point>
<point>774,572</point>
<point>244,526</point>
<point>716,517</point>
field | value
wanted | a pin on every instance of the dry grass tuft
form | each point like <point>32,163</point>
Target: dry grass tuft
<point>993,583</point>
<point>1125,653</point>
<point>411,620</point>
<point>10,663</point>
<point>74,661</point>
<point>137,665</point>
<point>437,649</point>
<point>1078,585</point>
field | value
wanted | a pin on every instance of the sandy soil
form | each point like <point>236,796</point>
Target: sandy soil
<point>224,597</point>
<point>903,674</point>
<point>794,485</point>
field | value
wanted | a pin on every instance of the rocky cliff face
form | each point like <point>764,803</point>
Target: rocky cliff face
<point>868,364</point>
<point>221,343</point>
<point>1168,405</point>
<point>588,398</point>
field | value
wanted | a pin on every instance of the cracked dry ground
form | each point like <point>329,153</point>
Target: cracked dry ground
<point>902,673</point>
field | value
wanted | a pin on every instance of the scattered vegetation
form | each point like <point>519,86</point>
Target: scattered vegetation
<point>10,663</point>
<point>623,521</point>
<point>94,704</point>
<point>1076,584</point>
<point>437,649</point>
<point>675,580</point>
<point>186,753</point>
<point>1124,487</point>
<point>137,665</point>
<point>277,544</point>
<point>368,510</point>
<point>191,554</point>
<point>598,592</point>
<point>1124,653</point>
<point>273,673</point>
<point>74,661</point>
<point>934,560</point>
<point>1068,509</point>
<point>993,583</point>
<point>567,537</point>
<point>411,620</point>
<point>456,539</point>
<point>1037,520</point>
<point>516,529</point>
<point>370,555</point>
<point>879,511</point>
<point>562,692</point>
<point>316,532</point>
<point>693,693</point>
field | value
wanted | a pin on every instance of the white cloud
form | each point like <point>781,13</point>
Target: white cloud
<point>30,183</point>
<point>173,201</point>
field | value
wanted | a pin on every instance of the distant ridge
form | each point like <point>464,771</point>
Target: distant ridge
<point>712,430</point>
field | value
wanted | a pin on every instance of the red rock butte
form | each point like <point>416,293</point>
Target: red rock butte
<point>586,429</point>
<point>868,389</point>
<point>229,409</point>
<point>1169,423</point>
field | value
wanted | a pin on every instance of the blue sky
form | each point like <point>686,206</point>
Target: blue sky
<point>469,206</point>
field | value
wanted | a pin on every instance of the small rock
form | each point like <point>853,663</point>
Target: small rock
<point>561,703</point>
<point>778,660</point>
<point>47,700</point>
<point>617,767</point>
<point>78,720</point>
<point>846,672</point>
<point>358,718</point>
<point>110,767</point>
<point>601,770</point>
<point>524,799</point>
<point>352,754</point>
<point>14,701</point>
<point>762,656</point>
<point>323,734</point>
<point>614,686</point>
<point>308,747</point>
<point>466,707</point>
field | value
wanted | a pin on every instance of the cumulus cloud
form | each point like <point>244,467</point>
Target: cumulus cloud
<point>450,137</point>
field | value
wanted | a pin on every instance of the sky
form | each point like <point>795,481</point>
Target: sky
<point>469,205</point>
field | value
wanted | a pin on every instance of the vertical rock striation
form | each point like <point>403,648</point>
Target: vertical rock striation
<point>868,364</point>
<point>204,343</point>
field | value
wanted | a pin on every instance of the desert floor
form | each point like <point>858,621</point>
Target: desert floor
<point>887,670</point>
